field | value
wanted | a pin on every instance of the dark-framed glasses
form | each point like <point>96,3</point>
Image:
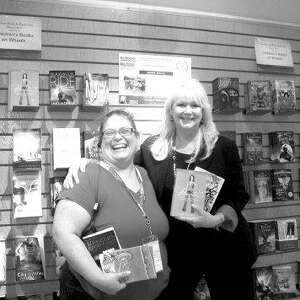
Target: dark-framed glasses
<point>123,131</point>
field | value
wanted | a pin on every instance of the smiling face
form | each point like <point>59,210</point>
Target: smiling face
<point>119,149</point>
<point>186,113</point>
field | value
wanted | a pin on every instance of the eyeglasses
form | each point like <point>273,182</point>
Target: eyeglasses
<point>123,131</point>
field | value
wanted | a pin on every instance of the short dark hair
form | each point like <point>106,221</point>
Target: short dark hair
<point>116,112</point>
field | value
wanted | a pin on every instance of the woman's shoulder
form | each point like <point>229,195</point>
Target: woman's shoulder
<point>148,142</point>
<point>225,142</point>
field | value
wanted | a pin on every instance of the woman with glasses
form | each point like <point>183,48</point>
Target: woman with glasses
<point>219,244</point>
<point>127,202</point>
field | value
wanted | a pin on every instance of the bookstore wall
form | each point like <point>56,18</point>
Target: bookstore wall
<point>80,39</point>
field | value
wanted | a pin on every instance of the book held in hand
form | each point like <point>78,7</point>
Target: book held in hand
<point>23,92</point>
<point>27,199</point>
<point>29,262</point>
<point>102,240</point>
<point>198,187</point>
<point>138,260</point>
<point>27,148</point>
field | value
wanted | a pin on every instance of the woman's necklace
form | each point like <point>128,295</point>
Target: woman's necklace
<point>174,160</point>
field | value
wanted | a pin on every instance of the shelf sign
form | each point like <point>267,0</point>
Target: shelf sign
<point>273,52</point>
<point>20,33</point>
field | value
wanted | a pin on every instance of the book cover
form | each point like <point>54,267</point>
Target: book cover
<point>284,99</point>
<point>282,146</point>
<point>56,186</point>
<point>258,97</point>
<point>66,147</point>
<point>29,265</point>
<point>27,199</point>
<point>62,88</point>
<point>90,142</point>
<point>282,185</point>
<point>286,234</point>
<point>284,281</point>
<point>262,186</point>
<point>252,143</point>
<point>95,87</point>
<point>225,95</point>
<point>23,92</point>
<point>197,187</point>
<point>264,235</point>
<point>27,148</point>
<point>202,291</point>
<point>102,240</point>
<point>264,283</point>
<point>138,260</point>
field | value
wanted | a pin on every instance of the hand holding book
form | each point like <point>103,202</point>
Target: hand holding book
<point>202,218</point>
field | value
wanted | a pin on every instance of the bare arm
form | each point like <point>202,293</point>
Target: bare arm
<point>70,219</point>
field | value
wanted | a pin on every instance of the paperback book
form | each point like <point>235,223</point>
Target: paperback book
<point>138,260</point>
<point>198,187</point>
<point>66,147</point>
<point>264,235</point>
<point>29,263</point>
<point>27,199</point>
<point>90,141</point>
<point>252,143</point>
<point>264,283</point>
<point>284,281</point>
<point>23,92</point>
<point>56,186</point>
<point>258,97</point>
<point>27,148</point>
<point>95,91</point>
<point>62,89</point>
<point>226,95</point>
<point>282,144</point>
<point>284,99</point>
<point>262,186</point>
<point>105,239</point>
<point>286,234</point>
<point>282,185</point>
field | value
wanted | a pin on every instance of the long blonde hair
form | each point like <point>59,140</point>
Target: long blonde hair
<point>190,89</point>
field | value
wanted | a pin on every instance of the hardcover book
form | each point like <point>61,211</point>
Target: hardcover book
<point>138,260</point>
<point>29,263</point>
<point>23,93</point>
<point>56,186</point>
<point>197,187</point>
<point>96,91</point>
<point>252,147</point>
<point>282,185</point>
<point>62,89</point>
<point>262,186</point>
<point>66,147</point>
<point>264,235</point>
<point>27,148</point>
<point>105,239</point>
<point>284,99</point>
<point>258,97</point>
<point>284,281</point>
<point>226,95</point>
<point>282,146</point>
<point>264,283</point>
<point>286,234</point>
<point>90,141</point>
<point>27,200</point>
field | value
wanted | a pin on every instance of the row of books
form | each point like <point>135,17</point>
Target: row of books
<point>275,235</point>
<point>24,90</point>
<point>269,185</point>
<point>261,96</point>
<point>276,282</point>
